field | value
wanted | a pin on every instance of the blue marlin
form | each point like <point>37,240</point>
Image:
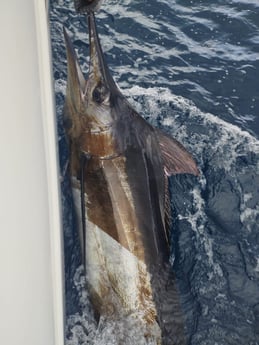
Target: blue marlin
<point>119,167</point>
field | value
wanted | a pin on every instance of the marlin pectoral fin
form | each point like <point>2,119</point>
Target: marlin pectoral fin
<point>176,158</point>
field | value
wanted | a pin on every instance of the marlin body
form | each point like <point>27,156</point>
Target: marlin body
<point>119,168</point>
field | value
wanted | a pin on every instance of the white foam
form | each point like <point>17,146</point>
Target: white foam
<point>197,219</point>
<point>257,265</point>
<point>248,216</point>
<point>223,139</point>
<point>220,138</point>
<point>82,328</point>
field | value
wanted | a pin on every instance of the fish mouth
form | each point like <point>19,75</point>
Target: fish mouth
<point>79,88</point>
<point>98,70</point>
<point>99,73</point>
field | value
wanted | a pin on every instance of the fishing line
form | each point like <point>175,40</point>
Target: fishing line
<point>84,158</point>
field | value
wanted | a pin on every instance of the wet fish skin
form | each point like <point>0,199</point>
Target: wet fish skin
<point>125,239</point>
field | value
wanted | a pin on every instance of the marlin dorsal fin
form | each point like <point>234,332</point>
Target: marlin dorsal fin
<point>176,159</point>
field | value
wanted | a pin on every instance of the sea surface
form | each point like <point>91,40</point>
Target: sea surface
<point>192,69</point>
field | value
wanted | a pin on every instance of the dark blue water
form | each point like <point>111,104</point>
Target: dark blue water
<point>190,68</point>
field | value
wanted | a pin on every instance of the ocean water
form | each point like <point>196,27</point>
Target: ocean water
<point>192,69</point>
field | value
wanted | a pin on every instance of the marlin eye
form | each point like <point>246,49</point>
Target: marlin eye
<point>99,93</point>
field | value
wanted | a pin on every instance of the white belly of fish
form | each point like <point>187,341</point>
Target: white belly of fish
<point>117,277</point>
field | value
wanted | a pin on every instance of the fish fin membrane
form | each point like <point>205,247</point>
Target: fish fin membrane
<point>176,159</point>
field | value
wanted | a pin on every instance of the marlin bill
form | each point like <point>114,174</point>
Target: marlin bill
<point>119,168</point>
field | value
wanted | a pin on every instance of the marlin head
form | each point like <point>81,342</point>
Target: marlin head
<point>89,109</point>
<point>101,89</point>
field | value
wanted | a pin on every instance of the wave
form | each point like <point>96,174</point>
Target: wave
<point>215,233</point>
<point>217,212</point>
